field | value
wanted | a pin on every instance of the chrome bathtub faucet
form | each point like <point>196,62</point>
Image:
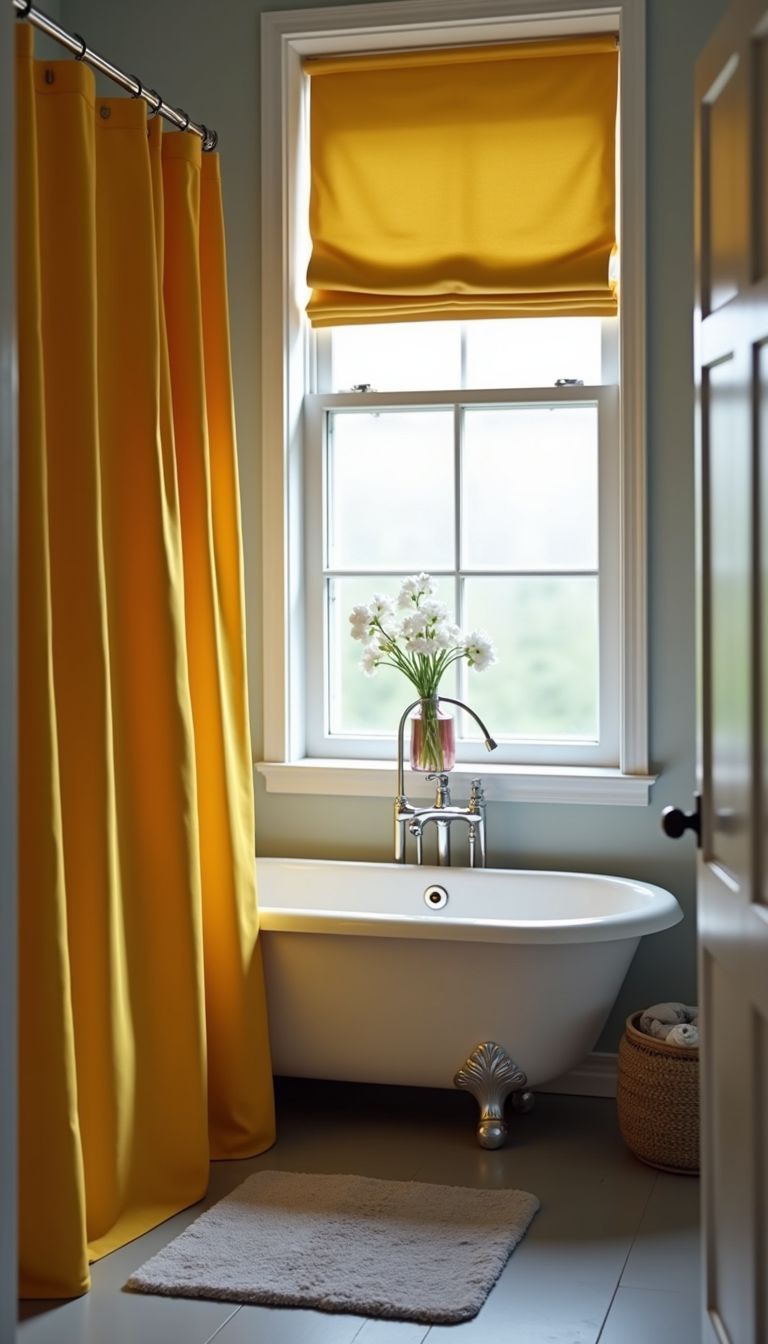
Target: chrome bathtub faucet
<point>443,812</point>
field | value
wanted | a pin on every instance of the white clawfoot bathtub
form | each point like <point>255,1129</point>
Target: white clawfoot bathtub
<point>367,983</point>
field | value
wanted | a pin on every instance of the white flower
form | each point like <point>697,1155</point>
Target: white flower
<point>370,659</point>
<point>415,623</point>
<point>420,639</point>
<point>360,620</point>
<point>419,644</point>
<point>434,610</point>
<point>381,606</point>
<point>447,636</point>
<point>414,588</point>
<point>479,650</point>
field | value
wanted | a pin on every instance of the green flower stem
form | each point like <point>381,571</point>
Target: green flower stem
<point>431,742</point>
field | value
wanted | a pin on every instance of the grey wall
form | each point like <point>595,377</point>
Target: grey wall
<point>204,56</point>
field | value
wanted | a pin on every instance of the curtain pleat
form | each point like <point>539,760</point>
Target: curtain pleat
<point>195,305</point>
<point>52,1231</point>
<point>125,915</point>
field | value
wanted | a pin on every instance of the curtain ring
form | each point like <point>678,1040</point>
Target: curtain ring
<point>185,115</point>
<point>210,138</point>
<point>83,46</point>
<point>140,89</point>
<point>22,13</point>
<point>153,111</point>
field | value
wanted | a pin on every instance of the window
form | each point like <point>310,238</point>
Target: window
<point>505,494</point>
<point>532,471</point>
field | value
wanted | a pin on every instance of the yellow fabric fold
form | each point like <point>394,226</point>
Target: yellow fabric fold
<point>239,1099</point>
<point>420,58</point>
<point>52,1232</point>
<point>470,182</point>
<point>126,1040</point>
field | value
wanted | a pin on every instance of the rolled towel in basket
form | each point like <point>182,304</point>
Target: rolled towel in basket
<point>683,1034</point>
<point>669,1014</point>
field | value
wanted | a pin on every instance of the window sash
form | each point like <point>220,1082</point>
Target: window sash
<point>321,361</point>
<point>319,741</point>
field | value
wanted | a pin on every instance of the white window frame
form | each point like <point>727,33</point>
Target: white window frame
<point>288,375</point>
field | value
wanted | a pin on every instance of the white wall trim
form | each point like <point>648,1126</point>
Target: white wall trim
<point>634,621</point>
<point>502,783</point>
<point>596,1076</point>
<point>286,37</point>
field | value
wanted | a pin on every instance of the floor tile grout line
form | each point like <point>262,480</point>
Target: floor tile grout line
<point>638,1225</point>
<point>219,1328</point>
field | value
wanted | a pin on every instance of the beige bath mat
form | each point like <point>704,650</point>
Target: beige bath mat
<point>400,1249</point>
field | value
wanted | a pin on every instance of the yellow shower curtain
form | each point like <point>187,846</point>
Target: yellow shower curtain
<point>143,1038</point>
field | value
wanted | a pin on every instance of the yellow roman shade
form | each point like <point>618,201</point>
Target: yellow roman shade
<point>466,182</point>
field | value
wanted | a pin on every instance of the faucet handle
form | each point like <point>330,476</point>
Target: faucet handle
<point>443,790</point>
<point>477,795</point>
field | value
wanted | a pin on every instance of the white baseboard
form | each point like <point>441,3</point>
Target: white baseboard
<point>595,1077</point>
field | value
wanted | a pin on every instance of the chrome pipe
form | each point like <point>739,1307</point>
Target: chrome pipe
<point>444,844</point>
<point>400,750</point>
<point>82,52</point>
<point>490,744</point>
<point>441,814</point>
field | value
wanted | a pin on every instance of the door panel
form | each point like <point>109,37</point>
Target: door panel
<point>761,1125</point>
<point>731,1272</point>
<point>760,166</point>
<point>724,153</point>
<point>731,368</point>
<point>730,476</point>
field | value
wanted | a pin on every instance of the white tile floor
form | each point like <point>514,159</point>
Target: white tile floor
<point>612,1257</point>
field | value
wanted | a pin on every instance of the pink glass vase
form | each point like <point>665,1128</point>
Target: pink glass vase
<point>433,737</point>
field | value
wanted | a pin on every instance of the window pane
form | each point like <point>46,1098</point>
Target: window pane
<point>533,351</point>
<point>360,704</point>
<point>396,356</point>
<point>390,490</point>
<point>545,683</point>
<point>529,488</point>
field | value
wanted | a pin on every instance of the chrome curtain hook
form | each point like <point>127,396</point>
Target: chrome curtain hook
<point>139,86</point>
<point>83,46</point>
<point>153,111</point>
<point>185,115</point>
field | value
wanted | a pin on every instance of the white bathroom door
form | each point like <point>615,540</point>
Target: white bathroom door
<point>731,359</point>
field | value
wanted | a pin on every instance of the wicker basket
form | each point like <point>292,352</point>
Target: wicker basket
<point>658,1100</point>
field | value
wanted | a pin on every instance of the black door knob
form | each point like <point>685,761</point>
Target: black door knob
<point>675,822</point>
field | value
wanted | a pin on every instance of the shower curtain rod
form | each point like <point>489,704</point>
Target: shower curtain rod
<point>82,52</point>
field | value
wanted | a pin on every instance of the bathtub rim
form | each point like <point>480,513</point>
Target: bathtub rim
<point>662,912</point>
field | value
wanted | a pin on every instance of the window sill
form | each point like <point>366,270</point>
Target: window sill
<point>503,783</point>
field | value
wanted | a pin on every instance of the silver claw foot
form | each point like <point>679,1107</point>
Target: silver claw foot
<point>490,1075</point>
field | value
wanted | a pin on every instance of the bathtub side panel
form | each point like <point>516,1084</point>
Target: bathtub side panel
<point>393,1010</point>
